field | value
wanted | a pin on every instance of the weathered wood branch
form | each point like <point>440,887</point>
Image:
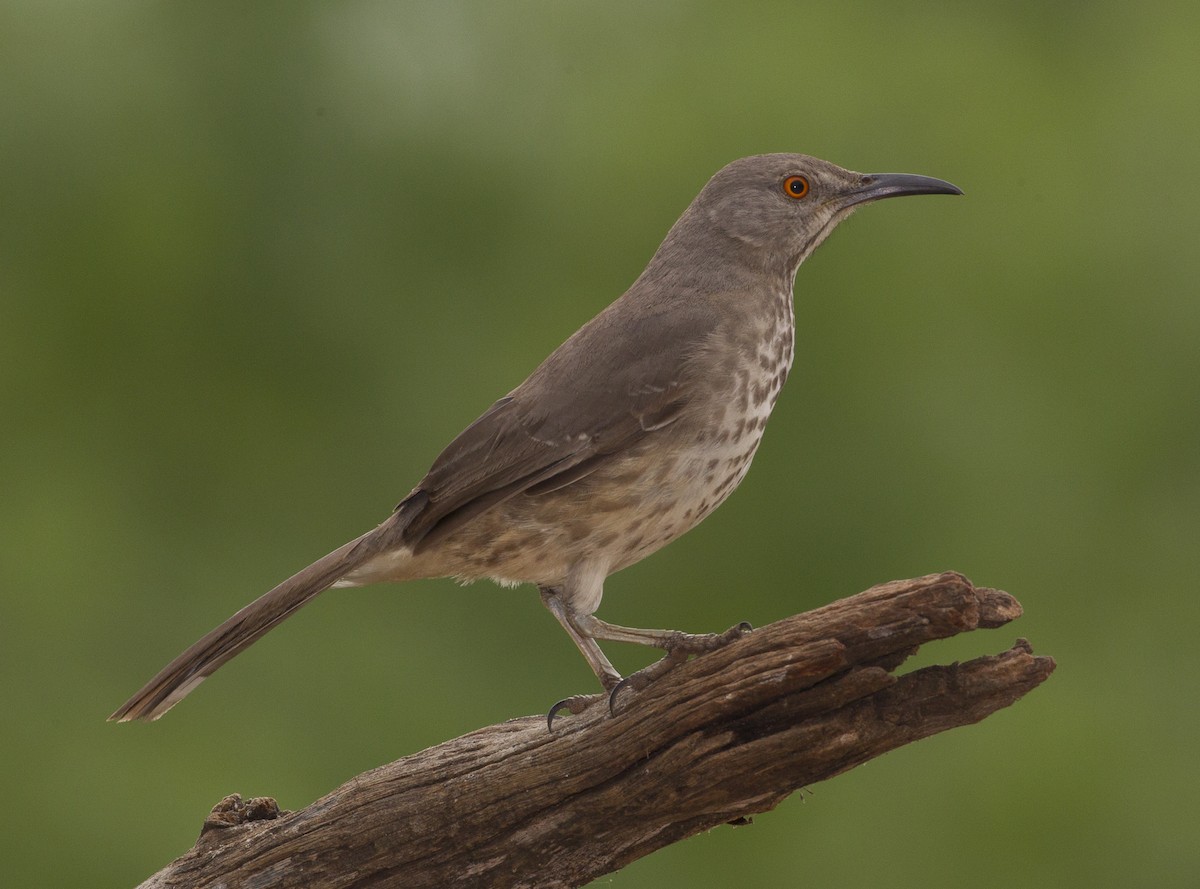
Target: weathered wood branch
<point>720,738</point>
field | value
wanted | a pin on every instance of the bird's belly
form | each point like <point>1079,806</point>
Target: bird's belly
<point>634,503</point>
<point>628,508</point>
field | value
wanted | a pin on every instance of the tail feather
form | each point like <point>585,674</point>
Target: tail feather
<point>187,671</point>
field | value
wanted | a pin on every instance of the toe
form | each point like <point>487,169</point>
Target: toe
<point>574,705</point>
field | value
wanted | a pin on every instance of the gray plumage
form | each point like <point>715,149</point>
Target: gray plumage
<point>624,438</point>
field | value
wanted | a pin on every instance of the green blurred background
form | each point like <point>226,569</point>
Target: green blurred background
<point>259,262</point>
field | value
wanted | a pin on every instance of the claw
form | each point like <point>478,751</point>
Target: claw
<point>627,682</point>
<point>574,705</point>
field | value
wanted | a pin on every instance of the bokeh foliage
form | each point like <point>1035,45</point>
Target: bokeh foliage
<point>259,262</point>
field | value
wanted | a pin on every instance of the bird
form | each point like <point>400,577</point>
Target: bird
<point>627,436</point>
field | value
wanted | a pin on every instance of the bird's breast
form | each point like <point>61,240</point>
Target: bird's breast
<point>699,461</point>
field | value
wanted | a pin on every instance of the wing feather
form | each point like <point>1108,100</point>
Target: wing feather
<point>611,384</point>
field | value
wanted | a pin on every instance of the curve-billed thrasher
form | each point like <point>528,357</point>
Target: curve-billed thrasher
<point>629,434</point>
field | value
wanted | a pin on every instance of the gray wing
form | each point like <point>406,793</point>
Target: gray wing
<point>624,375</point>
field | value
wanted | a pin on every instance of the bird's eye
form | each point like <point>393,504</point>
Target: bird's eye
<point>795,186</point>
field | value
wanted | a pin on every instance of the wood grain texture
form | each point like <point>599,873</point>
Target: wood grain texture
<point>723,737</point>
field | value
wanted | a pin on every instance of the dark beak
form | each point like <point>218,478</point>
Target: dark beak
<point>874,186</point>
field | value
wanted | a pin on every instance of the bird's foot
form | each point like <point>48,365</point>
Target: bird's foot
<point>574,705</point>
<point>679,647</point>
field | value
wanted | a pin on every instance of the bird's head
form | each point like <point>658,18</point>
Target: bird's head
<point>786,204</point>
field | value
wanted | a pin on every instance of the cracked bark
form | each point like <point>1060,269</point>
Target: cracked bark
<point>721,738</point>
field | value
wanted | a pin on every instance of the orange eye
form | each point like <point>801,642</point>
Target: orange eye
<point>795,186</point>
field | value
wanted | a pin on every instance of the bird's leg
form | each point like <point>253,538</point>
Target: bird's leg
<point>678,646</point>
<point>584,641</point>
<point>584,629</point>
<point>601,666</point>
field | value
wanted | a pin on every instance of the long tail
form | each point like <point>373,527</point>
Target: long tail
<point>187,671</point>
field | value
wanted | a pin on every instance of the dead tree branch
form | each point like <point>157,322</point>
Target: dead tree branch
<point>720,738</point>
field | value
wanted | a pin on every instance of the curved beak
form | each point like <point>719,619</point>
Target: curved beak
<point>874,186</point>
